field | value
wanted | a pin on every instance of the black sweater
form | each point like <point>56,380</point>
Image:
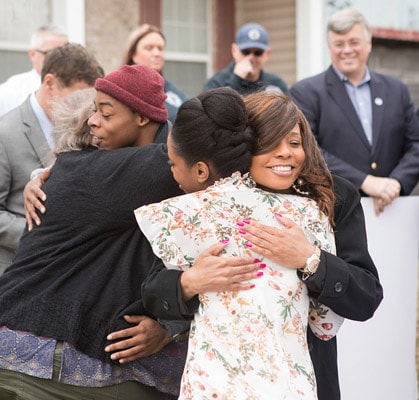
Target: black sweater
<point>81,270</point>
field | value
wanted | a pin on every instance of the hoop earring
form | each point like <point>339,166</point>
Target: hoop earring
<point>297,184</point>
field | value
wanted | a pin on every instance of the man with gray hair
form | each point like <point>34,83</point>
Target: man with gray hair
<point>18,87</point>
<point>365,124</point>
<point>363,121</point>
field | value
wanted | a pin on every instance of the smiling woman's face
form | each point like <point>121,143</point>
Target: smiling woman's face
<point>279,168</point>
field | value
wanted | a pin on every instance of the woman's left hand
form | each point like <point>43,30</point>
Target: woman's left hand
<point>146,338</point>
<point>288,246</point>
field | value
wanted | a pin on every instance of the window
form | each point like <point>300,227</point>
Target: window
<point>21,17</point>
<point>185,24</point>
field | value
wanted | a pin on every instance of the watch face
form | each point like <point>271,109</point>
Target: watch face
<point>313,264</point>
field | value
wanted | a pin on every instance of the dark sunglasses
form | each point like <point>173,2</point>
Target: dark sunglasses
<point>256,53</point>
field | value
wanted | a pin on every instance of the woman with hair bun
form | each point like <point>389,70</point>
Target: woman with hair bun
<point>248,344</point>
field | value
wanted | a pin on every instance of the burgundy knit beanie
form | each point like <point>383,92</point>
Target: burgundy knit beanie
<point>139,88</point>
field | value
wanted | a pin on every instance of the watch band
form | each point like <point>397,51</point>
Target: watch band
<point>312,263</point>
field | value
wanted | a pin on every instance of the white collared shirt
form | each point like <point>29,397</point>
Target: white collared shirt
<point>17,88</point>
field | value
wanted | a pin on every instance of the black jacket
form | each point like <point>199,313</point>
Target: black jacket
<point>228,78</point>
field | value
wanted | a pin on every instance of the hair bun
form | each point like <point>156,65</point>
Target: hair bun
<point>232,115</point>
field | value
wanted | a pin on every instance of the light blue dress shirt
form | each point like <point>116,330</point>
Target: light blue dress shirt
<point>360,96</point>
<point>44,121</point>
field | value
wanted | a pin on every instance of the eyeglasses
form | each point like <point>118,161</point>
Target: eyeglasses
<point>256,53</point>
<point>42,51</point>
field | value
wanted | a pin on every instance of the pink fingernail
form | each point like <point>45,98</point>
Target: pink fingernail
<point>278,215</point>
<point>240,223</point>
<point>226,240</point>
<point>242,231</point>
<point>252,286</point>
<point>246,221</point>
<point>248,244</point>
<point>262,265</point>
<point>260,273</point>
<point>256,260</point>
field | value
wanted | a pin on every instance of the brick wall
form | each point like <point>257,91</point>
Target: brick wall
<point>108,25</point>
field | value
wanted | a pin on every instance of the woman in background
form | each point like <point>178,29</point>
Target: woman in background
<point>146,45</point>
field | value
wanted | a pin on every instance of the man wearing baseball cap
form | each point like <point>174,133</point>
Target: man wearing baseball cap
<point>245,74</point>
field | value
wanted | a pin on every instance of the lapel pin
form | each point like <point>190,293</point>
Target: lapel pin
<point>378,101</point>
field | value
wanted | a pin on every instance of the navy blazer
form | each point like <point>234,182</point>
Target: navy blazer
<point>336,126</point>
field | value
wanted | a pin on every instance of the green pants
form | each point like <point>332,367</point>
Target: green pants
<point>17,386</point>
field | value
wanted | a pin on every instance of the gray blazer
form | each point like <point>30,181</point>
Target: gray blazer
<point>23,148</point>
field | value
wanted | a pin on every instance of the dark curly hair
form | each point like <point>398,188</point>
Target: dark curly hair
<point>212,127</point>
<point>272,115</point>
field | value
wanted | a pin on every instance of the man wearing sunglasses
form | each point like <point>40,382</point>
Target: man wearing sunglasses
<point>245,74</point>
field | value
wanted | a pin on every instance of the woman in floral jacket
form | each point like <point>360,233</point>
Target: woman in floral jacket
<point>247,344</point>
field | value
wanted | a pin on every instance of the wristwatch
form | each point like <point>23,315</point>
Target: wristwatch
<point>180,337</point>
<point>312,263</point>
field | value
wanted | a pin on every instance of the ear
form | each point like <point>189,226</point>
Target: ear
<point>202,172</point>
<point>369,46</point>
<point>49,81</point>
<point>31,53</point>
<point>268,53</point>
<point>141,120</point>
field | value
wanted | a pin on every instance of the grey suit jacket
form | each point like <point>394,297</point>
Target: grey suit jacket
<point>335,123</point>
<point>23,148</point>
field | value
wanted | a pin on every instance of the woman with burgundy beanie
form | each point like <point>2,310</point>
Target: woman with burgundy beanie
<point>78,275</point>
